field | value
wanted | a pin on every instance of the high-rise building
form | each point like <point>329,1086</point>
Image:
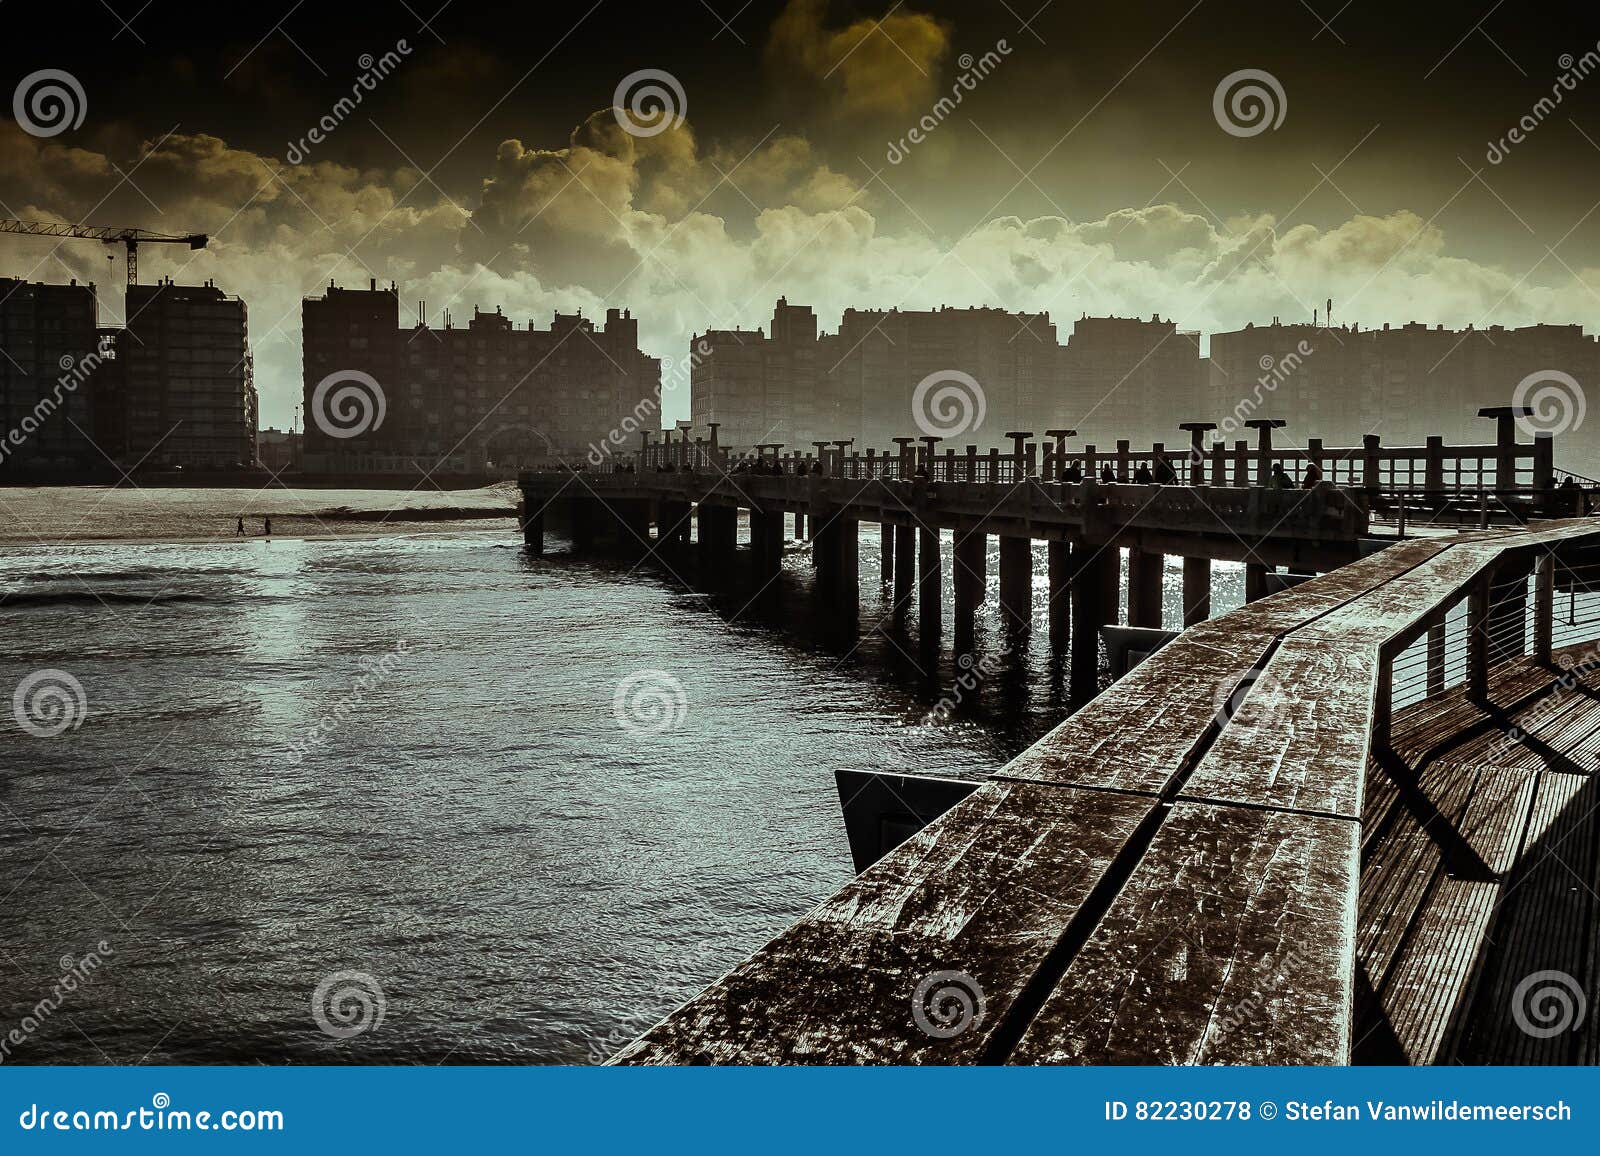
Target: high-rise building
<point>1134,379</point>
<point>1404,383</point>
<point>455,400</point>
<point>980,372</point>
<point>186,379</point>
<point>48,347</point>
<point>985,371</point>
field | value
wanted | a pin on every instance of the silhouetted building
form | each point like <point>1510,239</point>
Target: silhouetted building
<point>458,400</point>
<point>48,350</point>
<point>1134,379</point>
<point>186,379</point>
<point>798,385</point>
<point>1403,383</point>
<point>278,450</point>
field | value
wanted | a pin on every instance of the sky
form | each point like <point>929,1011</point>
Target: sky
<point>1096,161</point>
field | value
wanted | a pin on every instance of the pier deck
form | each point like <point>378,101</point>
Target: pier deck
<point>1345,822</point>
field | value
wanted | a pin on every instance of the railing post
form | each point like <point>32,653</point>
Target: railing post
<point>1370,444</point>
<point>1090,473</point>
<point>905,455</point>
<point>1123,447</point>
<point>1505,442</point>
<point>1478,603</point>
<point>972,463</point>
<point>1241,464</point>
<point>1433,471</point>
<point>1264,427</point>
<point>1383,702</point>
<point>1544,463</point>
<point>1544,603</point>
<point>1435,659</point>
<point>1219,464</point>
<point>1060,436</point>
<point>1197,452</point>
<point>1019,454</point>
<point>994,464</point>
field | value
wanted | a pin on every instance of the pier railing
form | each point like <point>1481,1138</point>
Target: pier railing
<point>1394,478</point>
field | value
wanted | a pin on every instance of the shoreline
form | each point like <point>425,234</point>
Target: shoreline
<point>390,529</point>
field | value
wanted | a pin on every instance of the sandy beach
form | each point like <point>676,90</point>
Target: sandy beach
<point>51,514</point>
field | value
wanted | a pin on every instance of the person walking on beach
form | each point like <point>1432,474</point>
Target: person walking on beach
<point>266,528</point>
<point>240,529</point>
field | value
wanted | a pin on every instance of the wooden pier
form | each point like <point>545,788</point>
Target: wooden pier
<point>1339,824</point>
<point>1345,822</point>
<point>1203,505</point>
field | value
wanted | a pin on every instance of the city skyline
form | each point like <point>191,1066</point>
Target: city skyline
<point>1082,171</point>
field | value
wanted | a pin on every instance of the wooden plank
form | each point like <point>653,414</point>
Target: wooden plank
<point>1299,738</point>
<point>1230,944</point>
<point>987,891</point>
<point>1422,985</point>
<point>1544,925</point>
<point>1137,735</point>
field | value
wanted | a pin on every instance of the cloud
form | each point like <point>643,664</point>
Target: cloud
<point>662,225</point>
<point>883,67</point>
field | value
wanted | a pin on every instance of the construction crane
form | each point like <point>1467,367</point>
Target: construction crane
<point>131,239</point>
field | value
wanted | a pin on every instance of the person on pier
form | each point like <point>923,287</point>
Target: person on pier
<point>1143,477</point>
